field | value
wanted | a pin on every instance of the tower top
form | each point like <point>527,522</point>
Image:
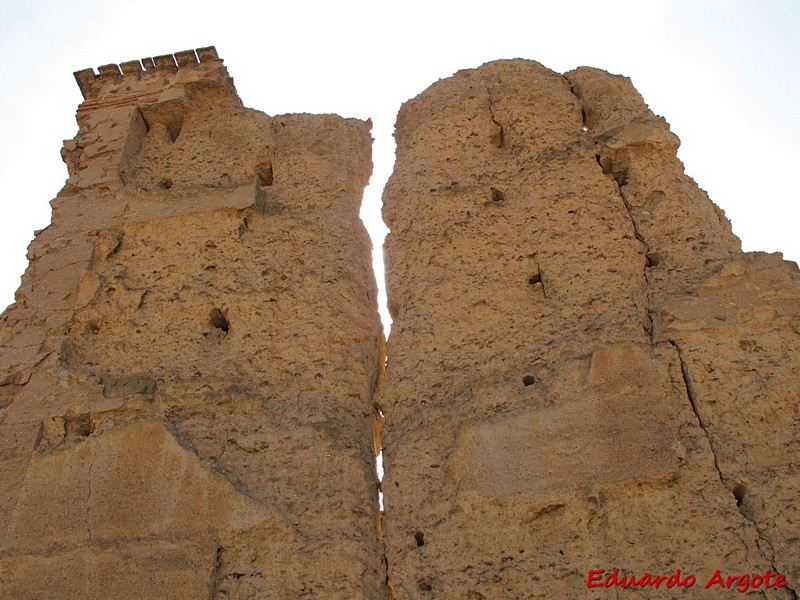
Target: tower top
<point>123,74</point>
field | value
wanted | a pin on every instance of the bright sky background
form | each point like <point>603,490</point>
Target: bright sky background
<point>724,73</point>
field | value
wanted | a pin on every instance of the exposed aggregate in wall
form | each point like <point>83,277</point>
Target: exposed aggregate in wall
<point>568,383</point>
<point>190,361</point>
<point>584,372</point>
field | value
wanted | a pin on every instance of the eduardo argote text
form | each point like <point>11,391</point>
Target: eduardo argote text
<point>597,578</point>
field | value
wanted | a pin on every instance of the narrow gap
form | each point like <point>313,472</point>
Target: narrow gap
<point>620,176</point>
<point>585,126</point>
<point>212,580</point>
<point>693,402</point>
<point>584,120</point>
<point>89,495</point>
<point>377,425</point>
<point>379,473</point>
<point>376,439</point>
<point>499,138</point>
<point>651,258</point>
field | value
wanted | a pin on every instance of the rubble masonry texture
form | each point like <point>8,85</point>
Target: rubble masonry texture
<point>584,372</point>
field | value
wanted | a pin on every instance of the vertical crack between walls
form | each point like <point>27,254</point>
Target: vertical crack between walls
<point>690,394</point>
<point>377,470</point>
<point>619,178</point>
<point>89,496</point>
<point>215,570</point>
<point>88,517</point>
<point>379,509</point>
<point>648,293</point>
<point>650,329</point>
<point>499,139</point>
<point>693,403</point>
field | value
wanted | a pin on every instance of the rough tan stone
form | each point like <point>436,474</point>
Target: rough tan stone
<point>559,396</point>
<point>585,372</point>
<point>189,364</point>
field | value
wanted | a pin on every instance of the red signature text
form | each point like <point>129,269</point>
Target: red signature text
<point>741,583</point>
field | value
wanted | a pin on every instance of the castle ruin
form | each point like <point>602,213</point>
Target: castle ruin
<point>585,373</point>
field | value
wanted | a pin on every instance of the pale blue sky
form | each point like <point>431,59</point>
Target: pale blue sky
<point>723,72</point>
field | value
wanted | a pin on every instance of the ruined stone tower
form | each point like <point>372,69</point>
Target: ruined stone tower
<point>189,365</point>
<point>585,373</point>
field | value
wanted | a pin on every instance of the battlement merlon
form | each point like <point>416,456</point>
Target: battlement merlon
<point>132,76</point>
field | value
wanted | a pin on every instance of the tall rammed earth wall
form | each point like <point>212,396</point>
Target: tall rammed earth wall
<point>189,364</point>
<point>585,373</point>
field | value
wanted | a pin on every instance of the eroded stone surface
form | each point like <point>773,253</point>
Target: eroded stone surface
<point>189,364</point>
<point>553,402</point>
<point>585,371</point>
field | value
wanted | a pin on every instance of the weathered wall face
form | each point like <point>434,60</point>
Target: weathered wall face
<point>567,385</point>
<point>585,372</point>
<point>189,366</point>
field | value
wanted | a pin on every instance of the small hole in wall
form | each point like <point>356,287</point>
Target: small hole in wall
<point>80,427</point>
<point>653,259</point>
<point>165,183</point>
<point>528,380</point>
<point>420,537</point>
<point>424,585</point>
<point>534,279</point>
<point>219,321</point>
<point>497,195</point>
<point>738,493</point>
<point>243,226</point>
<point>264,172</point>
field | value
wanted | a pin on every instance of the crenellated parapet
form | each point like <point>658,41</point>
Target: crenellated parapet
<point>138,75</point>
